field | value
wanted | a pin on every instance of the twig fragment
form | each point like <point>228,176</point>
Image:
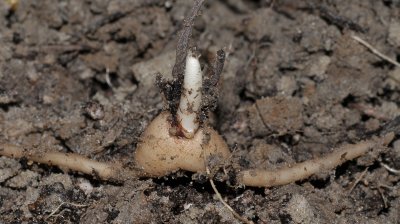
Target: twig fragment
<point>374,50</point>
<point>358,180</point>
<point>384,199</point>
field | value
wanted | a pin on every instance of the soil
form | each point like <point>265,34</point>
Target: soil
<point>79,76</point>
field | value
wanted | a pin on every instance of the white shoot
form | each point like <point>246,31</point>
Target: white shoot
<point>190,102</point>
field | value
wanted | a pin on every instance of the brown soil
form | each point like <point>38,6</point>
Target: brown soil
<point>78,76</point>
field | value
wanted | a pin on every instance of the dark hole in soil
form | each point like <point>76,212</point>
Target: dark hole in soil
<point>255,219</point>
<point>288,139</point>
<point>201,186</point>
<point>244,97</point>
<point>344,169</point>
<point>285,218</point>
<point>388,93</point>
<point>24,163</point>
<point>97,85</point>
<point>124,40</point>
<point>6,107</point>
<point>320,183</point>
<point>174,181</point>
<point>257,191</point>
<point>348,100</point>
<point>384,210</point>
<point>113,78</point>
<point>388,3</point>
<point>204,187</point>
<point>374,101</point>
<point>373,167</point>
<point>365,117</point>
<point>48,170</point>
<point>10,17</point>
<point>382,64</point>
<point>111,215</point>
<point>287,69</point>
<point>17,38</point>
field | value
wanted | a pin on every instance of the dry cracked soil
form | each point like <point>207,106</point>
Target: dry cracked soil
<point>78,76</point>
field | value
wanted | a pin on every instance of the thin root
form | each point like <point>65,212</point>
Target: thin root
<point>378,53</point>
<point>374,50</point>
<point>358,180</point>
<point>64,203</point>
<point>390,169</point>
<point>223,201</point>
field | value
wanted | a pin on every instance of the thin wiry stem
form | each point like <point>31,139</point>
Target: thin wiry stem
<point>375,51</point>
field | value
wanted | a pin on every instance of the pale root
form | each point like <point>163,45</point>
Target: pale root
<point>299,171</point>
<point>189,105</point>
<point>70,161</point>
<point>159,153</point>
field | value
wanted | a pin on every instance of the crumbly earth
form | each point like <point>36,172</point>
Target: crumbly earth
<point>78,76</point>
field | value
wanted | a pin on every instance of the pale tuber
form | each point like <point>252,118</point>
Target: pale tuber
<point>160,153</point>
